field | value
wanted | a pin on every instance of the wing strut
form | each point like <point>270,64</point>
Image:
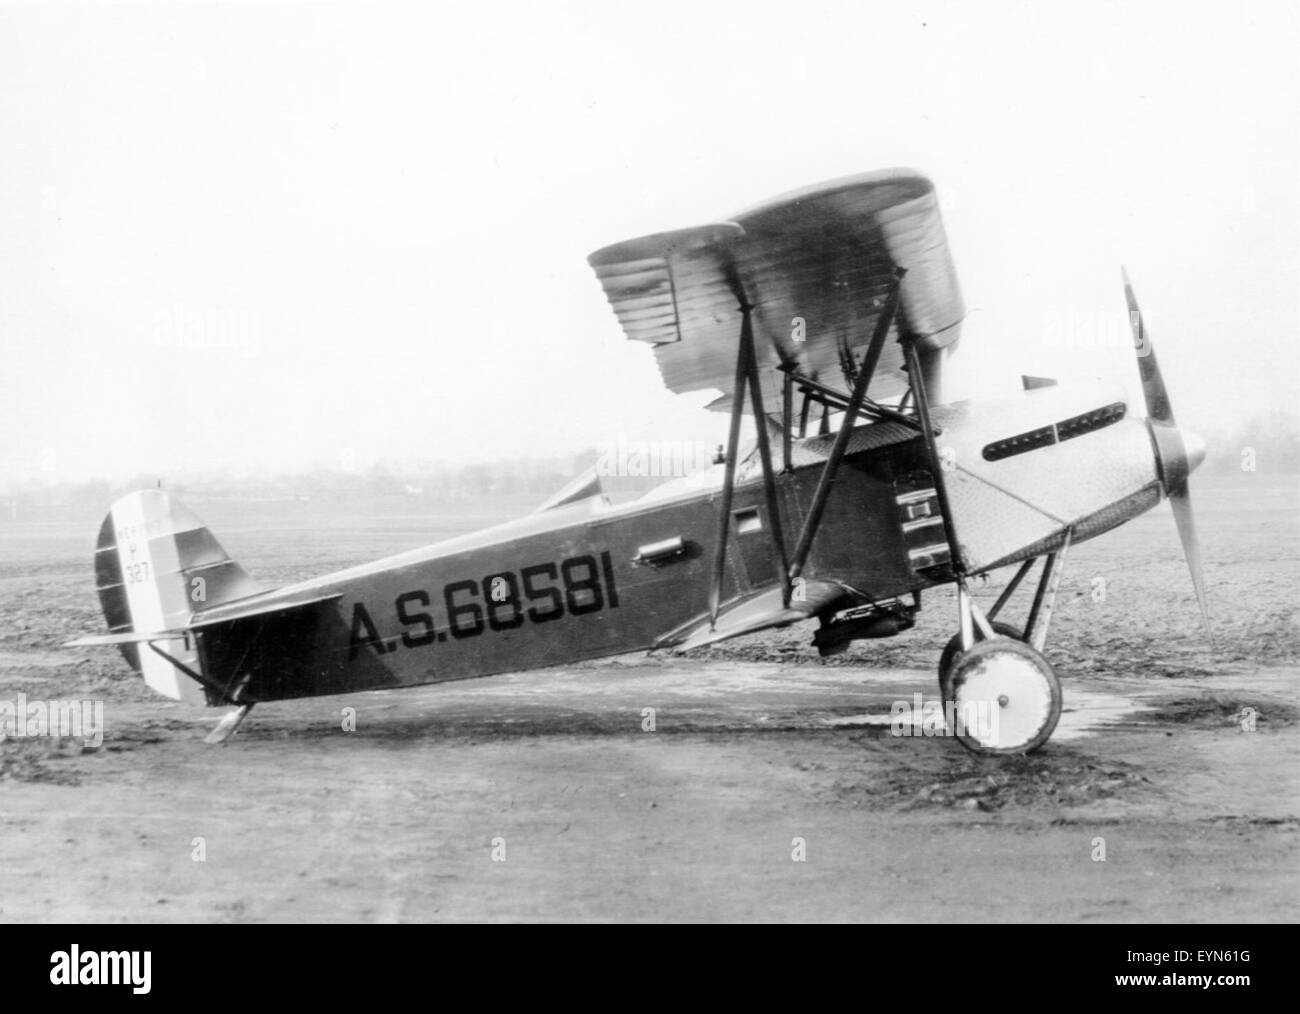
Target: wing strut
<point>747,375</point>
<point>916,387</point>
<point>787,421</point>
<point>729,473</point>
<point>765,456</point>
<point>827,479</point>
<point>833,399</point>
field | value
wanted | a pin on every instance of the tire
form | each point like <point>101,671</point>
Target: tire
<point>1006,698</point>
<point>953,649</point>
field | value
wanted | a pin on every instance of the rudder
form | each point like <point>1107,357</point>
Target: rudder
<point>156,564</point>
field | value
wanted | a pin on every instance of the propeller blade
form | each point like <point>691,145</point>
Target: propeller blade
<point>1177,451</point>
<point>1181,503</point>
<point>1153,384</point>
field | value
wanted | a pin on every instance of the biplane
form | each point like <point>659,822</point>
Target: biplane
<point>828,316</point>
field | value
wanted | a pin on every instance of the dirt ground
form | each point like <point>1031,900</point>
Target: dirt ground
<point>770,787</point>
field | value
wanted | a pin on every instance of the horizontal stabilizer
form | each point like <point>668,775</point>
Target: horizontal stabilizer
<point>99,640</point>
<point>261,606</point>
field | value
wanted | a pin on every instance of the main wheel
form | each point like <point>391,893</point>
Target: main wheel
<point>952,650</point>
<point>1005,698</point>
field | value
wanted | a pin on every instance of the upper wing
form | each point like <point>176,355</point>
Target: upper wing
<point>824,256</point>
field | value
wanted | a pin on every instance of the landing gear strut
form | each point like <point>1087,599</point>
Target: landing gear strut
<point>1000,695</point>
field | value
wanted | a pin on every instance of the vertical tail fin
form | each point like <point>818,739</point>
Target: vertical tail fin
<point>155,565</point>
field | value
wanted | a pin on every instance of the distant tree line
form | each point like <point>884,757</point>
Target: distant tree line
<point>1267,443</point>
<point>538,477</point>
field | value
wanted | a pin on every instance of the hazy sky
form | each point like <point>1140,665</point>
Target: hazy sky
<point>261,237</point>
